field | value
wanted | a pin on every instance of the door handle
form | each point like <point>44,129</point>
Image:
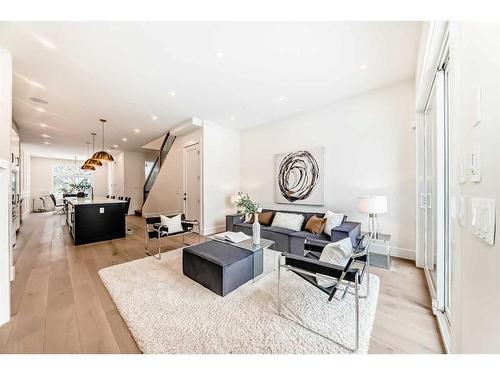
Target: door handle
<point>422,200</point>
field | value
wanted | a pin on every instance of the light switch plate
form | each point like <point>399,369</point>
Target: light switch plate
<point>483,222</point>
<point>475,163</point>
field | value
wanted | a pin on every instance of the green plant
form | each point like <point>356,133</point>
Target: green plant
<point>71,188</point>
<point>245,205</point>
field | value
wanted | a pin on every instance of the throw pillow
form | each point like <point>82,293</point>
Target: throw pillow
<point>174,224</point>
<point>337,253</point>
<point>315,224</point>
<point>332,220</point>
<point>288,221</point>
<point>265,218</point>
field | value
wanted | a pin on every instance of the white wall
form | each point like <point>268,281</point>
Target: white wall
<point>5,213</point>
<point>221,174</point>
<point>126,177</point>
<point>369,149</point>
<point>116,175</point>
<point>134,179</point>
<point>475,61</point>
<point>166,193</point>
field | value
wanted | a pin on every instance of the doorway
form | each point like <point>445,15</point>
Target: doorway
<point>192,186</point>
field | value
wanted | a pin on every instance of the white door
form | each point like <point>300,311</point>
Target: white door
<point>192,182</point>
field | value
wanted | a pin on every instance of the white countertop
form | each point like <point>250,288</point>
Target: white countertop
<point>96,200</point>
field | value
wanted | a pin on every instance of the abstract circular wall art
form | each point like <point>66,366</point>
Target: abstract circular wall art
<point>299,177</point>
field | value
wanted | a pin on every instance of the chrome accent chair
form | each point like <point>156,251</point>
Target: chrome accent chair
<point>347,279</point>
<point>59,209</point>
<point>155,230</point>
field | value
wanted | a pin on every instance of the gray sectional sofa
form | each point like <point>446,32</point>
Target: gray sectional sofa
<point>292,241</point>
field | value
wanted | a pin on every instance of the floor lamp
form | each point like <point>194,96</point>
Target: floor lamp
<point>373,206</point>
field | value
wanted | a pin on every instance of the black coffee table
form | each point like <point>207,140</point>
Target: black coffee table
<point>223,266</point>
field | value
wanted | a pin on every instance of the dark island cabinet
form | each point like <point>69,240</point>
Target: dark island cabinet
<point>94,220</point>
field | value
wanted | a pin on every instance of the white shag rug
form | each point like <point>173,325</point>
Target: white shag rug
<point>167,312</point>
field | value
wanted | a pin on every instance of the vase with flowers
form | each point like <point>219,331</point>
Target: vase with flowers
<point>249,208</point>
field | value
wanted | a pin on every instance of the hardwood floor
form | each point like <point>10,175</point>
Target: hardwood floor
<point>60,305</point>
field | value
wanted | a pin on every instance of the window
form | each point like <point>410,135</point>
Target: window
<point>70,179</point>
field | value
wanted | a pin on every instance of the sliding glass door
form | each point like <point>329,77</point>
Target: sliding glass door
<point>435,194</point>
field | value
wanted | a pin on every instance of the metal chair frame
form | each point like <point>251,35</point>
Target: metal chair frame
<point>59,209</point>
<point>341,275</point>
<point>162,231</point>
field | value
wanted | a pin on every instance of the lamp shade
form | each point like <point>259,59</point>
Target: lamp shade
<point>88,167</point>
<point>93,162</point>
<point>103,156</point>
<point>235,198</point>
<point>376,204</point>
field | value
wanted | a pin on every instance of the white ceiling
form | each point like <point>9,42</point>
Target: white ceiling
<point>238,74</point>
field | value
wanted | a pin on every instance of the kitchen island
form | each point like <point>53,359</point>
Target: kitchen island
<point>95,219</point>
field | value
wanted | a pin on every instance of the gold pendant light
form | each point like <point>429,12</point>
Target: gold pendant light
<point>86,166</point>
<point>102,155</point>
<point>91,161</point>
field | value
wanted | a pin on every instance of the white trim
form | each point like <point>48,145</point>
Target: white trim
<point>212,230</point>
<point>399,252</point>
<point>444,328</point>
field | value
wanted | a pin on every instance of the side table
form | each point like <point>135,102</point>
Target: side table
<point>377,258</point>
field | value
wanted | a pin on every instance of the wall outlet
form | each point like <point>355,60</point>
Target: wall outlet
<point>101,210</point>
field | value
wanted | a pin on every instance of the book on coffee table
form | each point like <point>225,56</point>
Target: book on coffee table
<point>234,237</point>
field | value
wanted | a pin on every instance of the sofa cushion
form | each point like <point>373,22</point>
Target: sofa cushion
<point>313,236</point>
<point>288,221</point>
<point>265,218</point>
<point>245,225</point>
<point>315,224</point>
<point>332,220</point>
<point>278,230</point>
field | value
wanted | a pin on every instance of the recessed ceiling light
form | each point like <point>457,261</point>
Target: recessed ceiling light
<point>124,139</point>
<point>39,109</point>
<point>363,67</point>
<point>220,55</point>
<point>43,125</point>
<point>172,93</point>
<point>46,143</point>
<point>38,100</point>
<point>281,99</point>
<point>44,42</point>
<point>115,146</point>
<point>45,136</point>
<point>154,117</point>
<point>137,130</point>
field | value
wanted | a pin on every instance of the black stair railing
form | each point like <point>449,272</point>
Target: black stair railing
<point>160,159</point>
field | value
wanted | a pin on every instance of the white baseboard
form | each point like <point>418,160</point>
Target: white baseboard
<point>397,252</point>
<point>400,252</point>
<point>212,230</point>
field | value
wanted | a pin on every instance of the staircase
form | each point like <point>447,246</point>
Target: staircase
<point>155,170</point>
